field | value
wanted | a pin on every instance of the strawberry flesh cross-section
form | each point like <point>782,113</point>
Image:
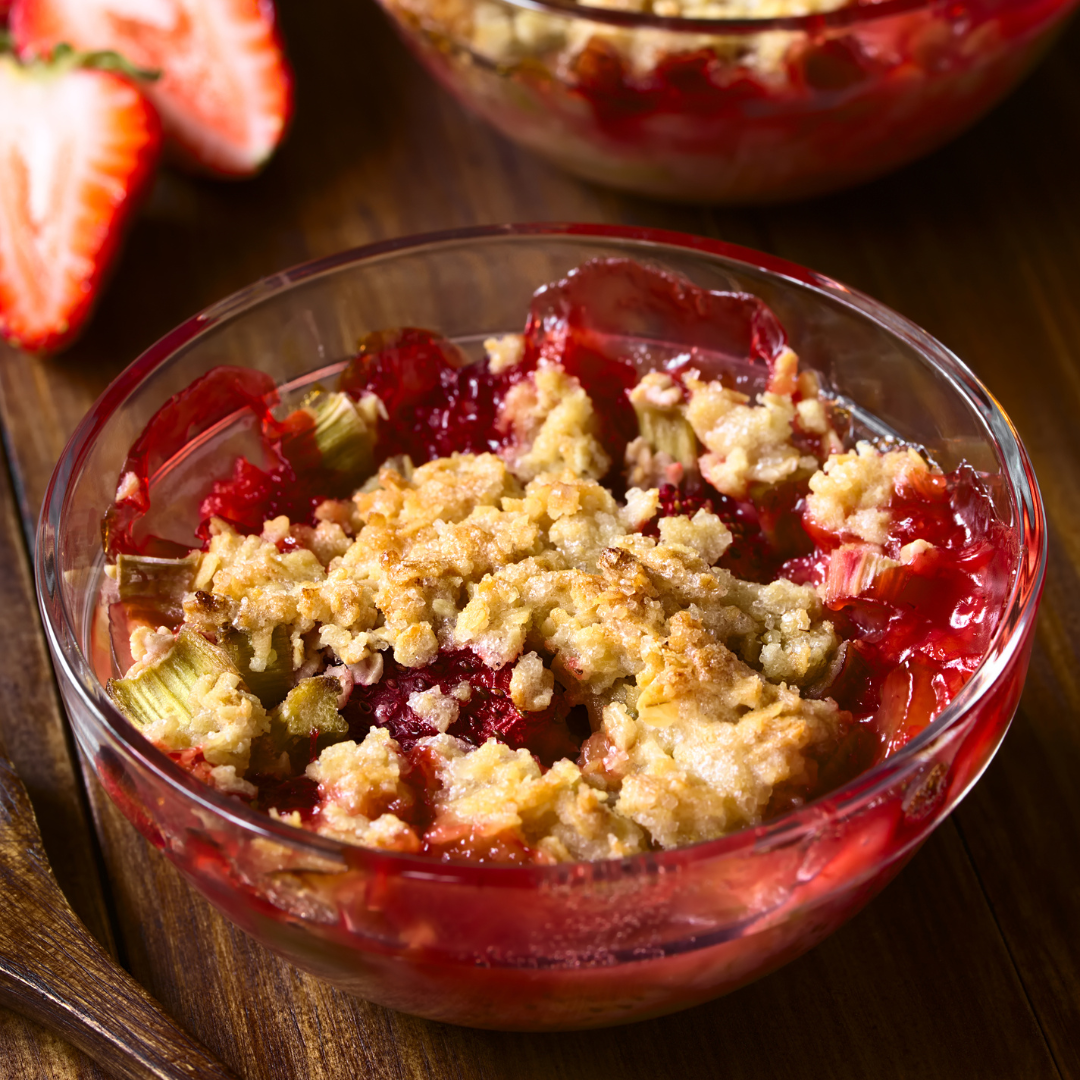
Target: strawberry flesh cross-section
<point>78,146</point>
<point>225,89</point>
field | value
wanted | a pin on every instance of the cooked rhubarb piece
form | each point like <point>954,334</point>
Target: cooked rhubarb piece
<point>332,437</point>
<point>154,589</point>
<point>666,449</point>
<point>186,696</point>
<point>310,709</point>
<point>305,723</point>
<point>164,686</point>
<point>270,683</point>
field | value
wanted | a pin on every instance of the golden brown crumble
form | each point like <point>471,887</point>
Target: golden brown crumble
<point>691,677</point>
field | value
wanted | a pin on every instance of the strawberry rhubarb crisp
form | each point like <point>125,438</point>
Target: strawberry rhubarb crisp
<point>631,580</point>
<point>733,101</point>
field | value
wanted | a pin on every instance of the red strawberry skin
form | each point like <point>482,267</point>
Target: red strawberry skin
<point>77,150</point>
<point>225,89</point>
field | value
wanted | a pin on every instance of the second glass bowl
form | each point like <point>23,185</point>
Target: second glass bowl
<point>729,110</point>
<point>542,947</point>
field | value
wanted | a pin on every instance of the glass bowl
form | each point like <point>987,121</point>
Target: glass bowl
<point>732,110</point>
<point>543,947</point>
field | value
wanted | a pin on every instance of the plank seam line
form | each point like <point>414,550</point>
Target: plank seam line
<point>18,489</point>
<point>1008,947</point>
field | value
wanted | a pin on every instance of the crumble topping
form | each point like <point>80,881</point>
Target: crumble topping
<point>554,427</point>
<point>438,709</point>
<point>508,36</point>
<point>222,727</point>
<point>359,783</point>
<point>529,561</point>
<point>504,352</point>
<point>494,792</point>
<point>510,655</point>
<point>851,494</point>
<point>531,684</point>
<point>747,443</point>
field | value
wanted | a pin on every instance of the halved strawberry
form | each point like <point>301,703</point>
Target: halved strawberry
<point>77,147</point>
<point>225,92</point>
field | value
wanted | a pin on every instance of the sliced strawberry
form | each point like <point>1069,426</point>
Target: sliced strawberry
<point>225,91</point>
<point>77,148</point>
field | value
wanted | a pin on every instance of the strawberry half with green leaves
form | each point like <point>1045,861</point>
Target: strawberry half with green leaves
<point>78,145</point>
<point>225,92</point>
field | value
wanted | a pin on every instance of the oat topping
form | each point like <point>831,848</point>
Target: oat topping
<point>525,654</point>
<point>851,494</point>
<point>509,36</point>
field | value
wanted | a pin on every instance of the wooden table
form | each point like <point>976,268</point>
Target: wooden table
<point>969,964</point>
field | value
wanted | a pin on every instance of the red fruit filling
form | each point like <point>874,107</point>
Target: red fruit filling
<point>915,625</point>
<point>183,418</point>
<point>749,555</point>
<point>767,535</point>
<point>917,631</point>
<point>488,712</point>
<point>288,795</point>
<point>437,402</point>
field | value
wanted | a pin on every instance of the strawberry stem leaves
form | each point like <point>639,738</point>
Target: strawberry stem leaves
<point>64,57</point>
<point>106,60</point>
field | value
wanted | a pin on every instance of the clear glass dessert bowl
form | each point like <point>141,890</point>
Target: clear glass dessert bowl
<point>736,109</point>
<point>562,946</point>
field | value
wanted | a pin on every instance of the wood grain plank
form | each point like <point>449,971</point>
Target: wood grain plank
<point>29,1052</point>
<point>34,732</point>
<point>33,737</point>
<point>938,976</point>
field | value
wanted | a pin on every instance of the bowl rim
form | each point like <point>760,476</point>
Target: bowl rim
<point>1008,639</point>
<point>850,14</point>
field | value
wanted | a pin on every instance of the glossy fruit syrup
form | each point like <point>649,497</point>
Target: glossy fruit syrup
<point>912,633</point>
<point>916,633</point>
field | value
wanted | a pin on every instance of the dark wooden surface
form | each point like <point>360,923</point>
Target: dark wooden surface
<point>969,964</point>
<point>52,970</point>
